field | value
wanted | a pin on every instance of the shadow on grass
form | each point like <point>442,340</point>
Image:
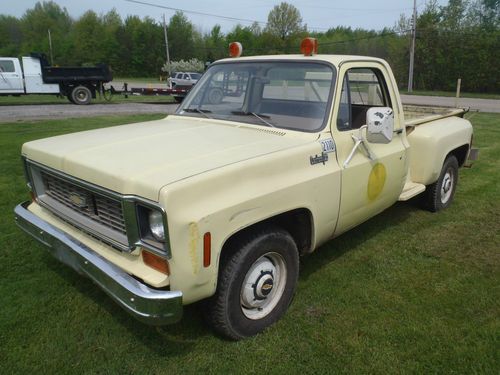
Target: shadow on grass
<point>346,242</point>
<point>166,341</point>
<point>180,338</point>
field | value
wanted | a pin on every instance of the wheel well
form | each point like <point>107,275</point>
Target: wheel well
<point>67,89</point>
<point>460,153</point>
<point>298,223</point>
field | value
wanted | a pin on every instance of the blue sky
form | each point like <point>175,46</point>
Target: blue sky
<point>319,15</point>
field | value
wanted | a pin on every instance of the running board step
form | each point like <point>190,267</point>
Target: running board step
<point>410,190</point>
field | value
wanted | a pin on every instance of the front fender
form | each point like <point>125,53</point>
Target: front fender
<point>229,199</point>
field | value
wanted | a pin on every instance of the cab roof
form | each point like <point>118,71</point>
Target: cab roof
<point>333,59</point>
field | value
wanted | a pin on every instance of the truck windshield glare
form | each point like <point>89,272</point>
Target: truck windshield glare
<point>287,95</point>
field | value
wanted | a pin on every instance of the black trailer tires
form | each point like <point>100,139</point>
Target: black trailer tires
<point>439,195</point>
<point>256,284</point>
<point>81,95</point>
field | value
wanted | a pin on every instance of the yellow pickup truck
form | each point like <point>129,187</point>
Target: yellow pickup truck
<point>267,158</point>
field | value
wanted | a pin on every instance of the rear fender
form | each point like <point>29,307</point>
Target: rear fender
<point>431,142</point>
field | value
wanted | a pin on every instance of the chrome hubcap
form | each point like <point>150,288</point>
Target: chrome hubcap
<point>263,286</point>
<point>447,186</point>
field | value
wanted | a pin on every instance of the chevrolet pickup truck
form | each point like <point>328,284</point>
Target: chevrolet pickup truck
<point>266,159</point>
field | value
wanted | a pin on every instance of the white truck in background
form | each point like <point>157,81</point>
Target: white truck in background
<point>36,76</point>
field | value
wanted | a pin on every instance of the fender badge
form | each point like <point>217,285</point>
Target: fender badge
<point>316,159</point>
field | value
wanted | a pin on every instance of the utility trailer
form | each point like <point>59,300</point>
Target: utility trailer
<point>178,92</point>
<point>36,76</point>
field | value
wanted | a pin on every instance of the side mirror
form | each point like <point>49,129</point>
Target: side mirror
<point>380,121</point>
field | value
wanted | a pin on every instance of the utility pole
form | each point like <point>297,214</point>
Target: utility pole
<point>50,48</point>
<point>166,45</point>
<point>412,48</point>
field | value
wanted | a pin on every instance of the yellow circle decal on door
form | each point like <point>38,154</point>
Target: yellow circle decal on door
<point>376,181</point>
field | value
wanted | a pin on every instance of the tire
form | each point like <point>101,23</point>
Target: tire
<point>81,95</point>
<point>70,98</point>
<point>256,285</point>
<point>215,96</point>
<point>439,195</point>
<point>178,99</point>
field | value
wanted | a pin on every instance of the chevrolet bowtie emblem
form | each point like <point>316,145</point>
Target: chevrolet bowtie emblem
<point>78,200</point>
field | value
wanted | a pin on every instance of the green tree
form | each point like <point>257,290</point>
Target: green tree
<point>284,21</point>
<point>35,24</point>
<point>88,39</point>
<point>10,35</point>
<point>180,35</point>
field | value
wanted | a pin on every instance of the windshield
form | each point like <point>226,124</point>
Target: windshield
<point>288,95</point>
<point>195,75</point>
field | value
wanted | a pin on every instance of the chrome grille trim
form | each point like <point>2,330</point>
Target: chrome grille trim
<point>104,210</point>
<point>128,240</point>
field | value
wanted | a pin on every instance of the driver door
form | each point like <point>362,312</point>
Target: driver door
<point>11,80</point>
<point>368,186</point>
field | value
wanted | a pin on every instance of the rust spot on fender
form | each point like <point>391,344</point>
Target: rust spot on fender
<point>193,246</point>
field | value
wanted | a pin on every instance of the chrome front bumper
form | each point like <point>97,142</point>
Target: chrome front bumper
<point>148,305</point>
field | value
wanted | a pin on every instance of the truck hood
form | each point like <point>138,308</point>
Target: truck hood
<point>140,159</point>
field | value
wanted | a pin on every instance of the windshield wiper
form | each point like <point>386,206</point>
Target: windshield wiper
<point>260,116</point>
<point>197,110</point>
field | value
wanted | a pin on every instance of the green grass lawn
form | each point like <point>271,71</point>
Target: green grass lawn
<point>52,99</point>
<point>406,292</point>
<point>475,95</point>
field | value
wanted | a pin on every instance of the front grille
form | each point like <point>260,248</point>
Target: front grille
<point>97,207</point>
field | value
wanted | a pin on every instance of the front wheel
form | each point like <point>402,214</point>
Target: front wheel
<point>256,285</point>
<point>439,195</point>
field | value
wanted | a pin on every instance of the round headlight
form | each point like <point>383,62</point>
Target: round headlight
<point>156,225</point>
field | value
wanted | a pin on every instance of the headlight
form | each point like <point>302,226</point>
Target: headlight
<point>156,225</point>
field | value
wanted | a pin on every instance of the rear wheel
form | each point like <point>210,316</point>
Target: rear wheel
<point>256,285</point>
<point>178,99</point>
<point>81,95</point>
<point>439,195</point>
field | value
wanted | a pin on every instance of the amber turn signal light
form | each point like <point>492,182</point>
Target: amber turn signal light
<point>156,262</point>
<point>235,49</point>
<point>309,46</point>
<point>207,249</point>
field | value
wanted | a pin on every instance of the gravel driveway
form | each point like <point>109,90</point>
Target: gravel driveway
<point>12,113</point>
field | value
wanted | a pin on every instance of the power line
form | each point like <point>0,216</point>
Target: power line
<point>210,14</point>
<point>194,12</point>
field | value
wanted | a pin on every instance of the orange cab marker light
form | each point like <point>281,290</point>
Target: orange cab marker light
<point>235,49</point>
<point>309,46</point>
<point>154,261</point>
<point>207,249</point>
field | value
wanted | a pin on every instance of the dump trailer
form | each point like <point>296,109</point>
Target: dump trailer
<point>36,76</point>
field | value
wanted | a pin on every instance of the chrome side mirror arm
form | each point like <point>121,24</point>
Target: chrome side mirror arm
<point>359,141</point>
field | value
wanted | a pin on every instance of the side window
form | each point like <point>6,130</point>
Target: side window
<point>7,66</point>
<point>186,76</point>
<point>362,89</point>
